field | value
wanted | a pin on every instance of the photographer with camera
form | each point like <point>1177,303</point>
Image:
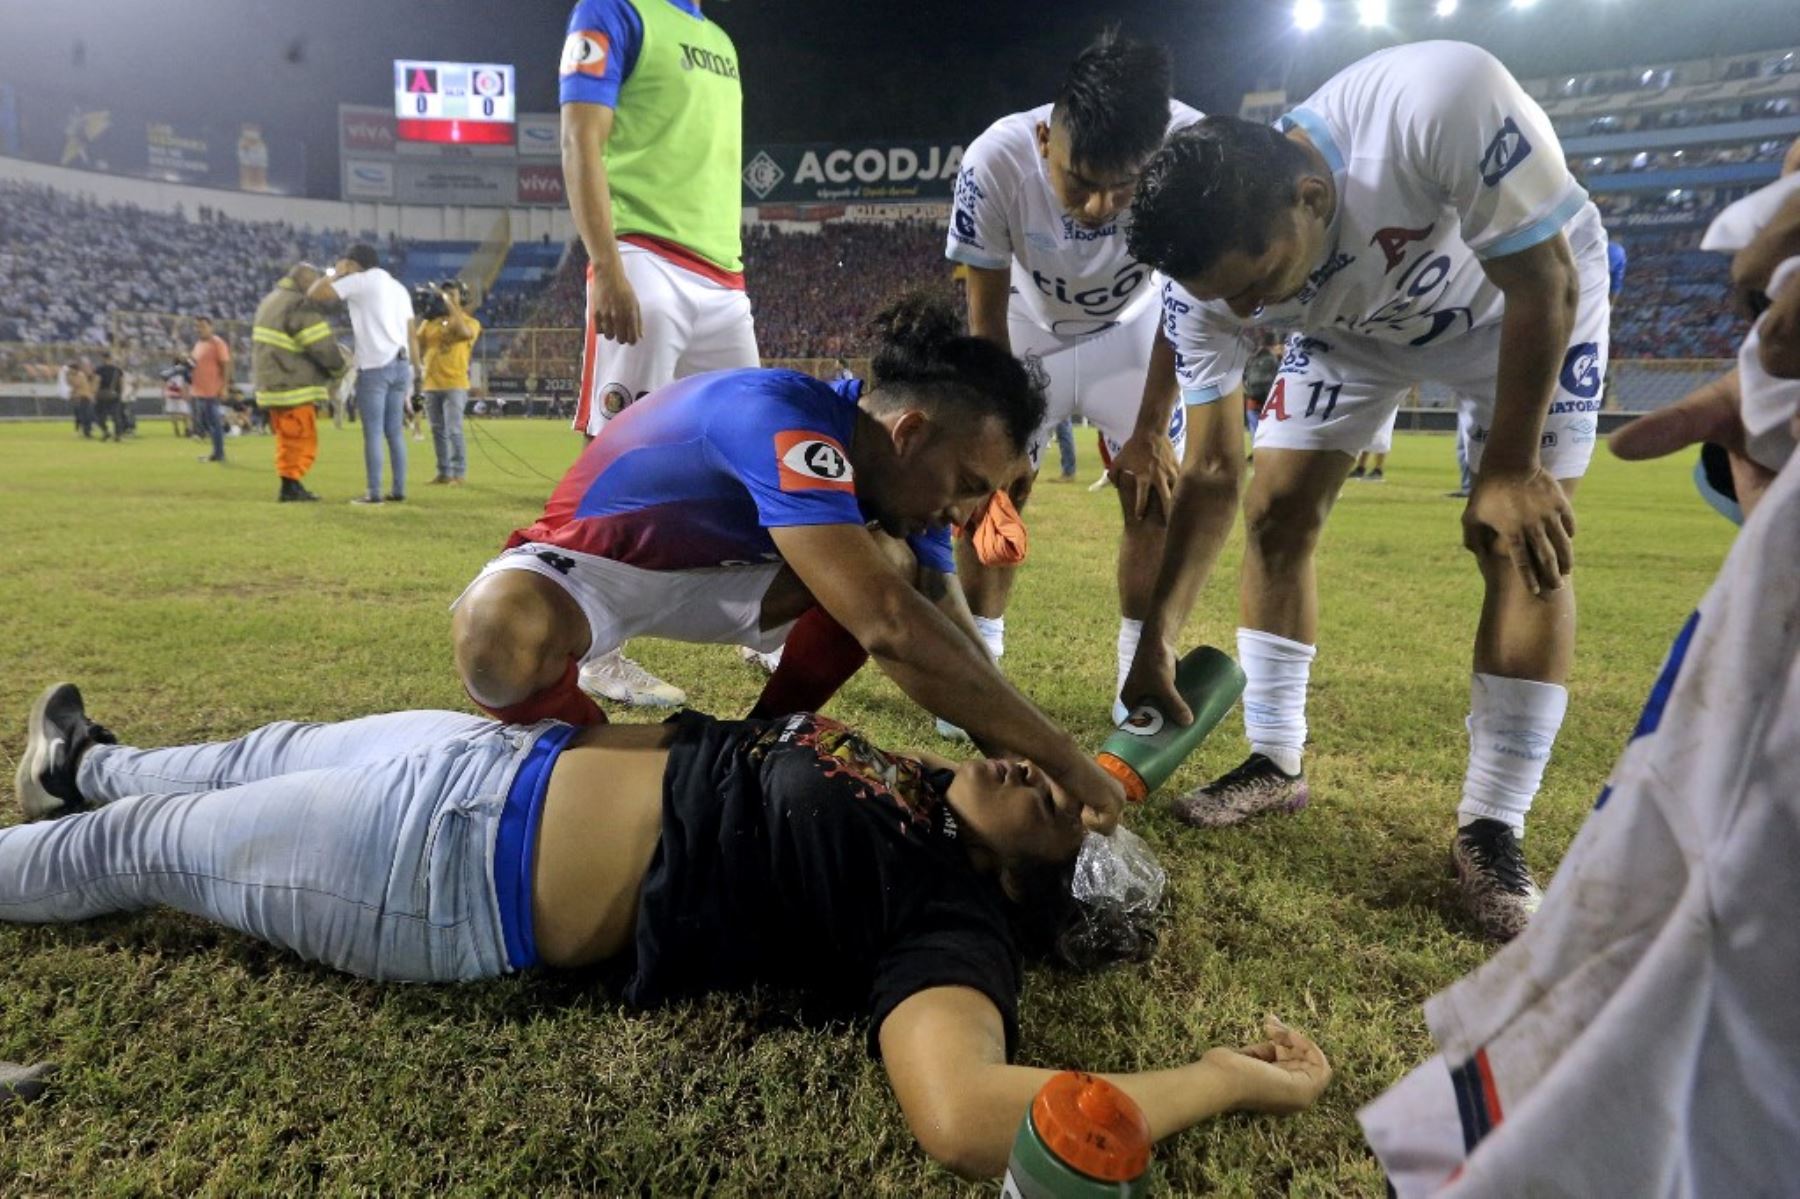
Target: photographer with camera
<point>381,318</point>
<point>446,336</point>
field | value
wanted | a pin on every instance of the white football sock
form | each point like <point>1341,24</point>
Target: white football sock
<point>1512,726</point>
<point>993,634</point>
<point>1130,633</point>
<point>1275,672</point>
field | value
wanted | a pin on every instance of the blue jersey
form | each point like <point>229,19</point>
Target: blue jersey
<point>1615,266</point>
<point>695,474</point>
<point>603,42</point>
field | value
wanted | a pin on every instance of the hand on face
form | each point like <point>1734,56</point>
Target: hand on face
<point>1015,810</point>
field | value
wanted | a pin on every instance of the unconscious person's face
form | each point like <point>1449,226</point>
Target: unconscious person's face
<point>942,473</point>
<point>1011,808</point>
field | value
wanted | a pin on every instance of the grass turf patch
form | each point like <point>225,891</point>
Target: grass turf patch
<point>190,606</point>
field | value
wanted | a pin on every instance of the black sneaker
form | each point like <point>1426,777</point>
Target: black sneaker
<point>1255,787</point>
<point>58,734</point>
<point>1375,476</point>
<point>1492,879</point>
<point>1356,472</point>
<point>395,497</point>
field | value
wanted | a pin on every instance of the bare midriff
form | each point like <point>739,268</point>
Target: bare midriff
<point>597,834</point>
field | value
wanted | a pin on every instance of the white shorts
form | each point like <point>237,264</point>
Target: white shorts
<point>721,604</point>
<point>1336,392</point>
<point>1383,441</point>
<point>690,324</point>
<point>1099,377</point>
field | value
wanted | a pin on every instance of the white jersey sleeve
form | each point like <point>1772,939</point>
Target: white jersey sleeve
<point>1471,128</point>
<point>980,233</point>
<point>1211,345</point>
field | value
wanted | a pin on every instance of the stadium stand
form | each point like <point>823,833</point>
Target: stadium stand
<point>1661,147</point>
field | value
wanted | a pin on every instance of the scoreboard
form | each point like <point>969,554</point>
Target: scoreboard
<point>455,103</point>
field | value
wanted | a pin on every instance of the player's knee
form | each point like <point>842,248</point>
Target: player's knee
<point>1281,526</point>
<point>509,642</point>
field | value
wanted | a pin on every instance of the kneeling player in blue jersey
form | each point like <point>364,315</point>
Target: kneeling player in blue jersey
<point>757,507</point>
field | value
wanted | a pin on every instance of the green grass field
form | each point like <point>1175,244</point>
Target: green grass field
<point>190,606</point>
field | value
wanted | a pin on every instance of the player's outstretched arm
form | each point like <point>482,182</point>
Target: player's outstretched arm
<point>945,1053</point>
<point>1516,509</point>
<point>585,131</point>
<point>1200,519</point>
<point>938,667</point>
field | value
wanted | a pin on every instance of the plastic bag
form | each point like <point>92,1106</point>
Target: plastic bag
<point>1118,889</point>
<point>1119,870</point>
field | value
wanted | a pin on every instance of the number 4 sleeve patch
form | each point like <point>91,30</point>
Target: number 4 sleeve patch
<point>807,460</point>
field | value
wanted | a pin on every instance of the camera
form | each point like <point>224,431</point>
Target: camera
<point>428,298</point>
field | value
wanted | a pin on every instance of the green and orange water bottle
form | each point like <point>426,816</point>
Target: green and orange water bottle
<point>1082,1138</point>
<point>1147,747</point>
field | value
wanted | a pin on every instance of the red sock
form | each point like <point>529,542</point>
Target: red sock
<point>563,700</point>
<point>820,656</point>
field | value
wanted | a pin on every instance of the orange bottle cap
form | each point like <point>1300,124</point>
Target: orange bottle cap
<point>1092,1126</point>
<point>1119,768</point>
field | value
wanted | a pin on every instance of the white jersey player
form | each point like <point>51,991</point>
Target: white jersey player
<point>1412,220</point>
<point>1039,220</point>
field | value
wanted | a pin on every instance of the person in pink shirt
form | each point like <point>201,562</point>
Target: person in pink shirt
<point>212,371</point>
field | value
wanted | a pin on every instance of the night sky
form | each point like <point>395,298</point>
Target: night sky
<point>812,70</point>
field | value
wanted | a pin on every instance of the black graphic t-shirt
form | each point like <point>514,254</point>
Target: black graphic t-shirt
<point>796,853</point>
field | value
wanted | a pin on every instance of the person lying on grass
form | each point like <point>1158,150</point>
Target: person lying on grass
<point>696,855</point>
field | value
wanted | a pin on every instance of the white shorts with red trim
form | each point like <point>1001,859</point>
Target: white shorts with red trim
<point>721,604</point>
<point>690,324</point>
<point>1642,1036</point>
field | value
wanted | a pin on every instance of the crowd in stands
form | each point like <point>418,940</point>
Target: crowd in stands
<point>73,265</point>
<point>812,292</point>
<point>1673,301</point>
<point>69,261</point>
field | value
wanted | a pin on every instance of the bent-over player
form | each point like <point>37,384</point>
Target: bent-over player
<point>1412,220</point>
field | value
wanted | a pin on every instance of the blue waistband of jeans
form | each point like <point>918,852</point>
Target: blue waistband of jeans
<point>515,844</point>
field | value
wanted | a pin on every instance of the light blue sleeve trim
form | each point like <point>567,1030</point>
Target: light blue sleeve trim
<point>1195,396</point>
<point>957,252</point>
<point>1540,230</point>
<point>1313,125</point>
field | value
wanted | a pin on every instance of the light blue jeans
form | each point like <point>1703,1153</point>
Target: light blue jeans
<point>381,398</point>
<point>445,411</point>
<point>366,845</point>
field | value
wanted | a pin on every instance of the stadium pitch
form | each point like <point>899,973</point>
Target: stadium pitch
<point>188,604</point>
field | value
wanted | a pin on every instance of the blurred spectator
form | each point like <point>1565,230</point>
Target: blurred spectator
<point>381,316</point>
<point>444,345</point>
<point>175,396</point>
<point>82,387</point>
<point>109,390</point>
<point>211,359</point>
